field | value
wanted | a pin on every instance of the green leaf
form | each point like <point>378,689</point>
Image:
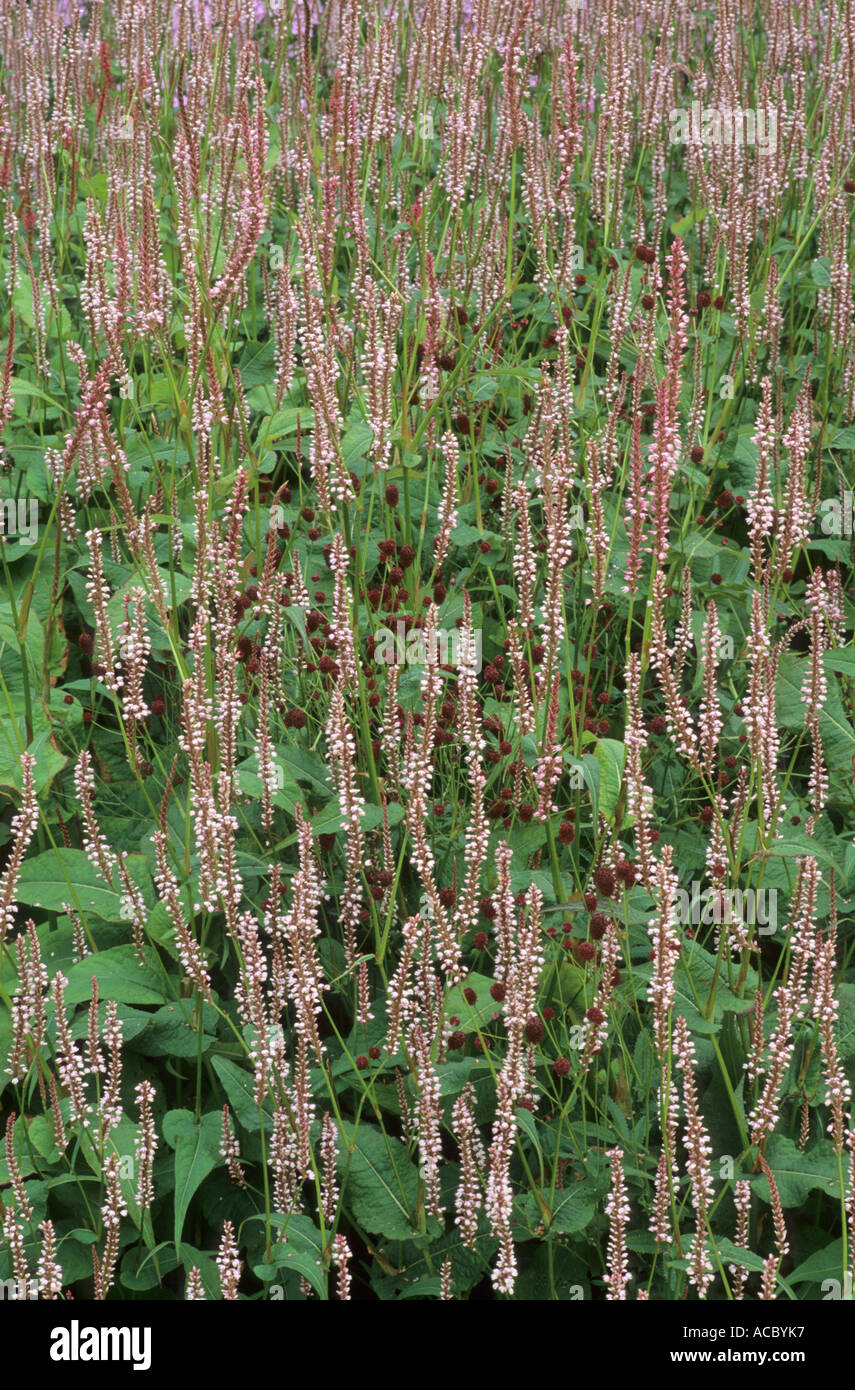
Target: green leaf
<point>468,1266</point>
<point>734,1254</point>
<point>201,1260</point>
<point>472,1016</point>
<point>25,388</point>
<point>611,757</point>
<point>66,876</point>
<point>526,1122</point>
<point>133,1021</point>
<point>846,1020</point>
<point>382,1183</point>
<point>838,738</point>
<point>572,1209</point>
<point>197,1151</point>
<point>142,1269</point>
<point>694,977</point>
<point>685,224</point>
<point>257,366</point>
<point>171,1033</point>
<point>239,1087</point>
<point>22,1154</point>
<point>301,1249</point>
<point>283,423</point>
<point>821,1265</point>
<point>842,661</point>
<point>794,843</point>
<point>121,975</point>
<point>798,1174</point>
<point>305,767</point>
<point>287,795</point>
<point>589,766</point>
<point>49,761</point>
<point>355,444</point>
<point>820,272</point>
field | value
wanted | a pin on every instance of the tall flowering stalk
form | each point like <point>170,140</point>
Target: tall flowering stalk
<point>24,825</point>
<point>429,1116</point>
<point>666,1169</point>
<point>617,1210</point>
<point>477,830</point>
<point>49,1270</point>
<point>699,1150</point>
<point>99,853</point>
<point>383,319</point>
<point>447,507</point>
<point>550,764</point>
<point>636,510</point>
<point>512,1085</point>
<point>473,1162</point>
<point>710,722</point>
<point>228,1263</point>
<point>252,214</point>
<point>814,689</point>
<point>596,1024</point>
<point>742,1202</point>
<point>28,1018</point>
<point>525,568</point>
<point>112,1211</point>
<point>98,595</point>
<point>168,890</point>
<point>668,662</point>
<point>789,1000</point>
<point>760,506</point>
<point>145,1146</point>
<point>341,636</point>
<point>666,949</point>
<point>793,517</point>
<point>304,977</point>
<point>666,448</point>
<point>342,755</point>
<point>639,797</point>
<point>417,775</point>
<point>825,1009</point>
<point>760,715</point>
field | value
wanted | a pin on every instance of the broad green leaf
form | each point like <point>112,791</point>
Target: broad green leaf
<point>121,975</point>
<point>308,768</point>
<point>257,366</point>
<point>238,1085</point>
<point>695,977</point>
<point>734,1254</point>
<point>284,423</point>
<point>527,1123</point>
<point>472,1015</point>
<point>589,766</point>
<point>798,1174</point>
<point>300,1249</point>
<point>380,1183</point>
<point>821,1265</point>
<point>572,1208</point>
<point>611,757</point>
<point>172,1032</point>
<point>63,875</point>
<point>820,272</point>
<point>842,660</point>
<point>838,738</point>
<point>143,1269</point>
<point>197,1151</point>
<point>846,1020</point>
